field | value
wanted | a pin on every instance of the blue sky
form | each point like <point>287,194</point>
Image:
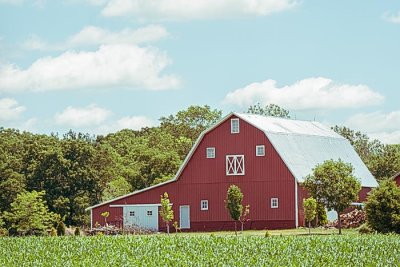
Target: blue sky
<point>102,65</point>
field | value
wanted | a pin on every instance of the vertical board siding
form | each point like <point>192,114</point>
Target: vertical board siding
<point>397,179</point>
<point>265,177</point>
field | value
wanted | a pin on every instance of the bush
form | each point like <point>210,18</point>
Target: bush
<point>267,234</point>
<point>77,231</point>
<point>60,229</point>
<point>383,208</point>
<point>365,229</point>
<point>53,232</point>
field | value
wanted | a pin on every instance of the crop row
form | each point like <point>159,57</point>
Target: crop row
<point>369,250</point>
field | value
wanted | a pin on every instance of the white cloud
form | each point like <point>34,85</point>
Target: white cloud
<point>193,9</point>
<point>380,125</point>
<point>311,93</point>
<point>94,36</point>
<point>134,122</point>
<point>393,18</point>
<point>9,109</point>
<point>111,66</point>
<point>81,117</point>
<point>12,2</point>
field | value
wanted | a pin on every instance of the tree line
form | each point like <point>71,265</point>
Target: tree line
<point>76,170</point>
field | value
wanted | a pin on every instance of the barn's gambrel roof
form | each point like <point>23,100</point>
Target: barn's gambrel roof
<point>304,144</point>
<point>301,144</point>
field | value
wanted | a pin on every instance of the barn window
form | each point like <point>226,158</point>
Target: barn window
<point>149,213</point>
<point>204,205</point>
<point>234,126</point>
<point>131,213</point>
<point>210,151</point>
<point>274,203</point>
<point>260,150</point>
<point>234,165</point>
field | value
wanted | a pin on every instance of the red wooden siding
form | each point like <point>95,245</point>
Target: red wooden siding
<point>265,177</point>
<point>397,179</point>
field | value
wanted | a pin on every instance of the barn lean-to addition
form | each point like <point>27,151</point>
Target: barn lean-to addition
<point>266,157</point>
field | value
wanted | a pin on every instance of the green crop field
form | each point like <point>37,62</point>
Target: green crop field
<point>202,250</point>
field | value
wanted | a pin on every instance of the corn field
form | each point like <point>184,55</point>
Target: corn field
<point>205,250</point>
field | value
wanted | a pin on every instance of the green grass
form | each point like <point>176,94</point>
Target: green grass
<point>202,250</point>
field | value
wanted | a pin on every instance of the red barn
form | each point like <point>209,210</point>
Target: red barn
<point>396,178</point>
<point>266,157</point>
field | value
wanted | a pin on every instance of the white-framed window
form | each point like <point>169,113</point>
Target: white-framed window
<point>260,150</point>
<point>235,126</point>
<point>149,213</point>
<point>274,203</point>
<point>210,152</point>
<point>131,213</point>
<point>204,204</point>
<point>235,165</point>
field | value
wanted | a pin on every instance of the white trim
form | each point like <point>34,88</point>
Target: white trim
<point>180,217</point>
<point>296,203</point>
<point>263,150</point>
<point>133,205</point>
<point>238,125</point>
<point>91,219</point>
<point>272,202</point>
<point>201,204</point>
<point>228,165</point>
<point>212,153</point>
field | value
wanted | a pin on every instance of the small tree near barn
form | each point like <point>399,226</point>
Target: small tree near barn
<point>310,210</point>
<point>166,212</point>
<point>333,184</point>
<point>244,217</point>
<point>233,203</point>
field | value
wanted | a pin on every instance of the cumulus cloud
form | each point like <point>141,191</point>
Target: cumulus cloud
<point>390,17</point>
<point>10,109</point>
<point>82,117</point>
<point>310,93</point>
<point>94,36</point>
<point>111,66</point>
<point>193,9</point>
<point>134,122</point>
<point>380,125</point>
<point>127,122</point>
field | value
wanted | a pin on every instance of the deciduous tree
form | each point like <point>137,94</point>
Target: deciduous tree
<point>166,212</point>
<point>333,184</point>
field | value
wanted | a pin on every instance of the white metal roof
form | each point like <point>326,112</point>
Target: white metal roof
<point>304,144</point>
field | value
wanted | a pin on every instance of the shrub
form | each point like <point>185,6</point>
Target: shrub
<point>365,229</point>
<point>267,234</point>
<point>60,229</point>
<point>53,232</point>
<point>383,208</point>
<point>77,231</point>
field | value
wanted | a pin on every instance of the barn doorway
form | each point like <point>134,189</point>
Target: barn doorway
<point>184,217</point>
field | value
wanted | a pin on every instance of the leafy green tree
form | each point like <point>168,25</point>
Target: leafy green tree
<point>383,207</point>
<point>333,184</point>
<point>116,188</point>
<point>362,144</point>
<point>233,203</point>
<point>166,212</point>
<point>29,214</point>
<point>269,110</point>
<point>386,164</point>
<point>310,210</point>
<point>321,218</point>
<point>191,122</point>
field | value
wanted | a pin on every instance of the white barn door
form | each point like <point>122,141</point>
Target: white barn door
<point>141,216</point>
<point>184,217</point>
